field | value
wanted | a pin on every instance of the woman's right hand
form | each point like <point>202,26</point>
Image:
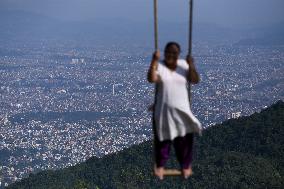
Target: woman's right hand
<point>152,75</point>
<point>156,56</point>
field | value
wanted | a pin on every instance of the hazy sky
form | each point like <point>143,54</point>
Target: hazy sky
<point>229,13</point>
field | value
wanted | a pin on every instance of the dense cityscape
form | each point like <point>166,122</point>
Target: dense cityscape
<point>64,103</point>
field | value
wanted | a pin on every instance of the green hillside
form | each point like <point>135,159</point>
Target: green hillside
<point>242,153</point>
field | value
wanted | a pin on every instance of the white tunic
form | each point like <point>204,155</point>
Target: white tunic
<point>172,113</point>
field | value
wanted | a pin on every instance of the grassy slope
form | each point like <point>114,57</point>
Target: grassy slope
<point>243,153</point>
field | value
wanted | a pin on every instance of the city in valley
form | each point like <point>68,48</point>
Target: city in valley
<point>62,103</point>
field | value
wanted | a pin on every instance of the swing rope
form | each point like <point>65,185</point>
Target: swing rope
<point>156,24</point>
<point>171,172</point>
<point>190,28</point>
<point>190,42</point>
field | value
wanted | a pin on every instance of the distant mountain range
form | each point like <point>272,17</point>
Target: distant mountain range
<point>239,153</point>
<point>270,35</point>
<point>21,25</point>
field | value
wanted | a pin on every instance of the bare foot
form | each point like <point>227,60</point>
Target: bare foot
<point>159,172</point>
<point>187,172</point>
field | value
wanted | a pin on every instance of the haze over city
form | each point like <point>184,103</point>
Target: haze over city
<point>226,13</point>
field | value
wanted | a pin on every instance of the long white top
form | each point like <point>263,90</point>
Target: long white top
<point>172,113</point>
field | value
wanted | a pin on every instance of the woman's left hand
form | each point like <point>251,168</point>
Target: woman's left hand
<point>190,61</point>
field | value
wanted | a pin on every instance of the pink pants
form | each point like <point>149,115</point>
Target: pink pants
<point>183,148</point>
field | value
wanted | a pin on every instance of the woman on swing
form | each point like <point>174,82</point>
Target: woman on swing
<point>173,121</point>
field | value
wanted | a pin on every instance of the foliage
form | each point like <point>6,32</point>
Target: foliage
<point>241,153</point>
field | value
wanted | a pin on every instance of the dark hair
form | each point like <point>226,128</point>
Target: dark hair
<point>172,43</point>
